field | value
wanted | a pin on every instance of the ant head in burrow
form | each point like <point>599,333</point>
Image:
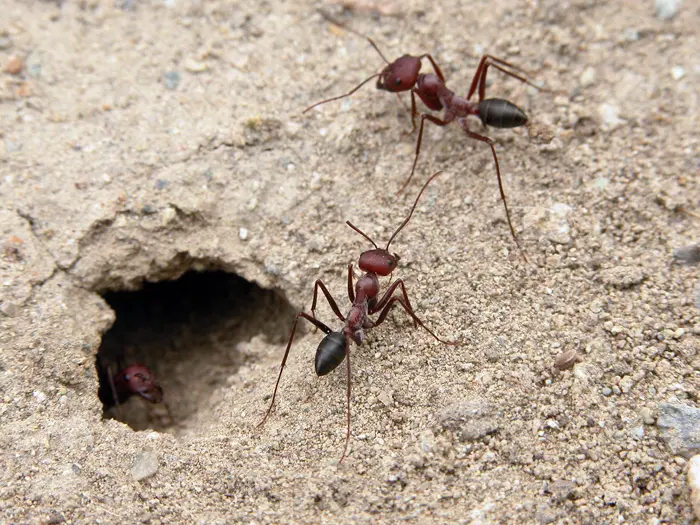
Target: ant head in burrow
<point>400,75</point>
<point>139,380</point>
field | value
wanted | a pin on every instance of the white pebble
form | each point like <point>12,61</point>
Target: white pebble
<point>677,72</point>
<point>195,66</point>
<point>39,396</point>
<point>145,465</point>
<point>667,9</point>
<point>694,483</point>
<point>588,77</point>
<point>609,113</point>
<point>243,233</point>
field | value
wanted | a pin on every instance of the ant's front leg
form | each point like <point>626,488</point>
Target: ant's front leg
<point>414,112</point>
<point>387,296</point>
<point>351,285</point>
<point>437,69</point>
<point>319,284</point>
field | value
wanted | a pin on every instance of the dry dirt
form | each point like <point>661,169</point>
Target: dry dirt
<point>141,140</point>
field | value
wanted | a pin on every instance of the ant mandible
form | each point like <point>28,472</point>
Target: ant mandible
<point>404,75</point>
<point>364,296</point>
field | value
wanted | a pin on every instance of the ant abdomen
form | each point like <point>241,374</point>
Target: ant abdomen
<point>500,113</point>
<point>330,353</point>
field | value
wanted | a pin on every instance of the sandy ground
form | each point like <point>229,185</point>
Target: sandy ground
<point>141,140</point>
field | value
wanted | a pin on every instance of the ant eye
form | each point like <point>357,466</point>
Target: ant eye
<point>127,377</point>
<point>398,82</point>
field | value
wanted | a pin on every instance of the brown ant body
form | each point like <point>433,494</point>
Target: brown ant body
<point>404,75</point>
<point>364,296</point>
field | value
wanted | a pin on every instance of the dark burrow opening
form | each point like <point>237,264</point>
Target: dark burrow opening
<point>186,332</point>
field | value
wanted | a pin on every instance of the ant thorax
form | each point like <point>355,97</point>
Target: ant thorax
<point>366,287</point>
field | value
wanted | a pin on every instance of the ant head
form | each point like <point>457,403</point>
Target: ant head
<point>378,261</point>
<point>400,75</point>
<point>139,380</point>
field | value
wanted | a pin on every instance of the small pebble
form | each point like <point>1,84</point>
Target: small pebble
<point>243,233</point>
<point>609,114</point>
<point>626,384</point>
<point>386,398</point>
<point>588,77</point>
<point>677,72</point>
<point>647,416</point>
<point>195,66</point>
<point>679,424</point>
<point>5,43</point>
<point>168,215</point>
<point>687,254</point>
<point>39,396</point>
<point>606,391</point>
<point>630,35</point>
<point>667,9</point>
<point>566,360</point>
<point>172,80</point>
<point>637,432</point>
<point>14,66</point>
<point>145,465</point>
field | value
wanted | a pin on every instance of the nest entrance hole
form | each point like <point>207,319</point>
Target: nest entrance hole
<point>186,332</point>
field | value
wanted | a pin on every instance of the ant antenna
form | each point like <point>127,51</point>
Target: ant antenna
<point>377,49</point>
<point>361,233</point>
<point>343,96</point>
<point>412,209</point>
<point>338,23</point>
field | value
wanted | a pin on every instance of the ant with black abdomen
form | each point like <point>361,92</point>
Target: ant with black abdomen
<point>365,299</point>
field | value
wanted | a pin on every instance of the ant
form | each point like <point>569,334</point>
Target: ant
<point>364,296</point>
<point>117,389</point>
<point>404,75</point>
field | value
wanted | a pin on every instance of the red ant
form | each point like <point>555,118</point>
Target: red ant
<point>335,346</point>
<point>404,75</point>
<point>117,389</point>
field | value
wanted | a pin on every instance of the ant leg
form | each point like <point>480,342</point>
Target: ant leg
<point>115,394</point>
<point>480,75</point>
<point>351,286</point>
<point>438,72</point>
<point>423,118</point>
<point>414,112</point>
<point>342,96</point>
<point>500,183</point>
<point>171,421</point>
<point>387,295</point>
<point>410,312</point>
<point>313,321</point>
<point>398,95</point>
<point>319,284</point>
<point>347,434</point>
